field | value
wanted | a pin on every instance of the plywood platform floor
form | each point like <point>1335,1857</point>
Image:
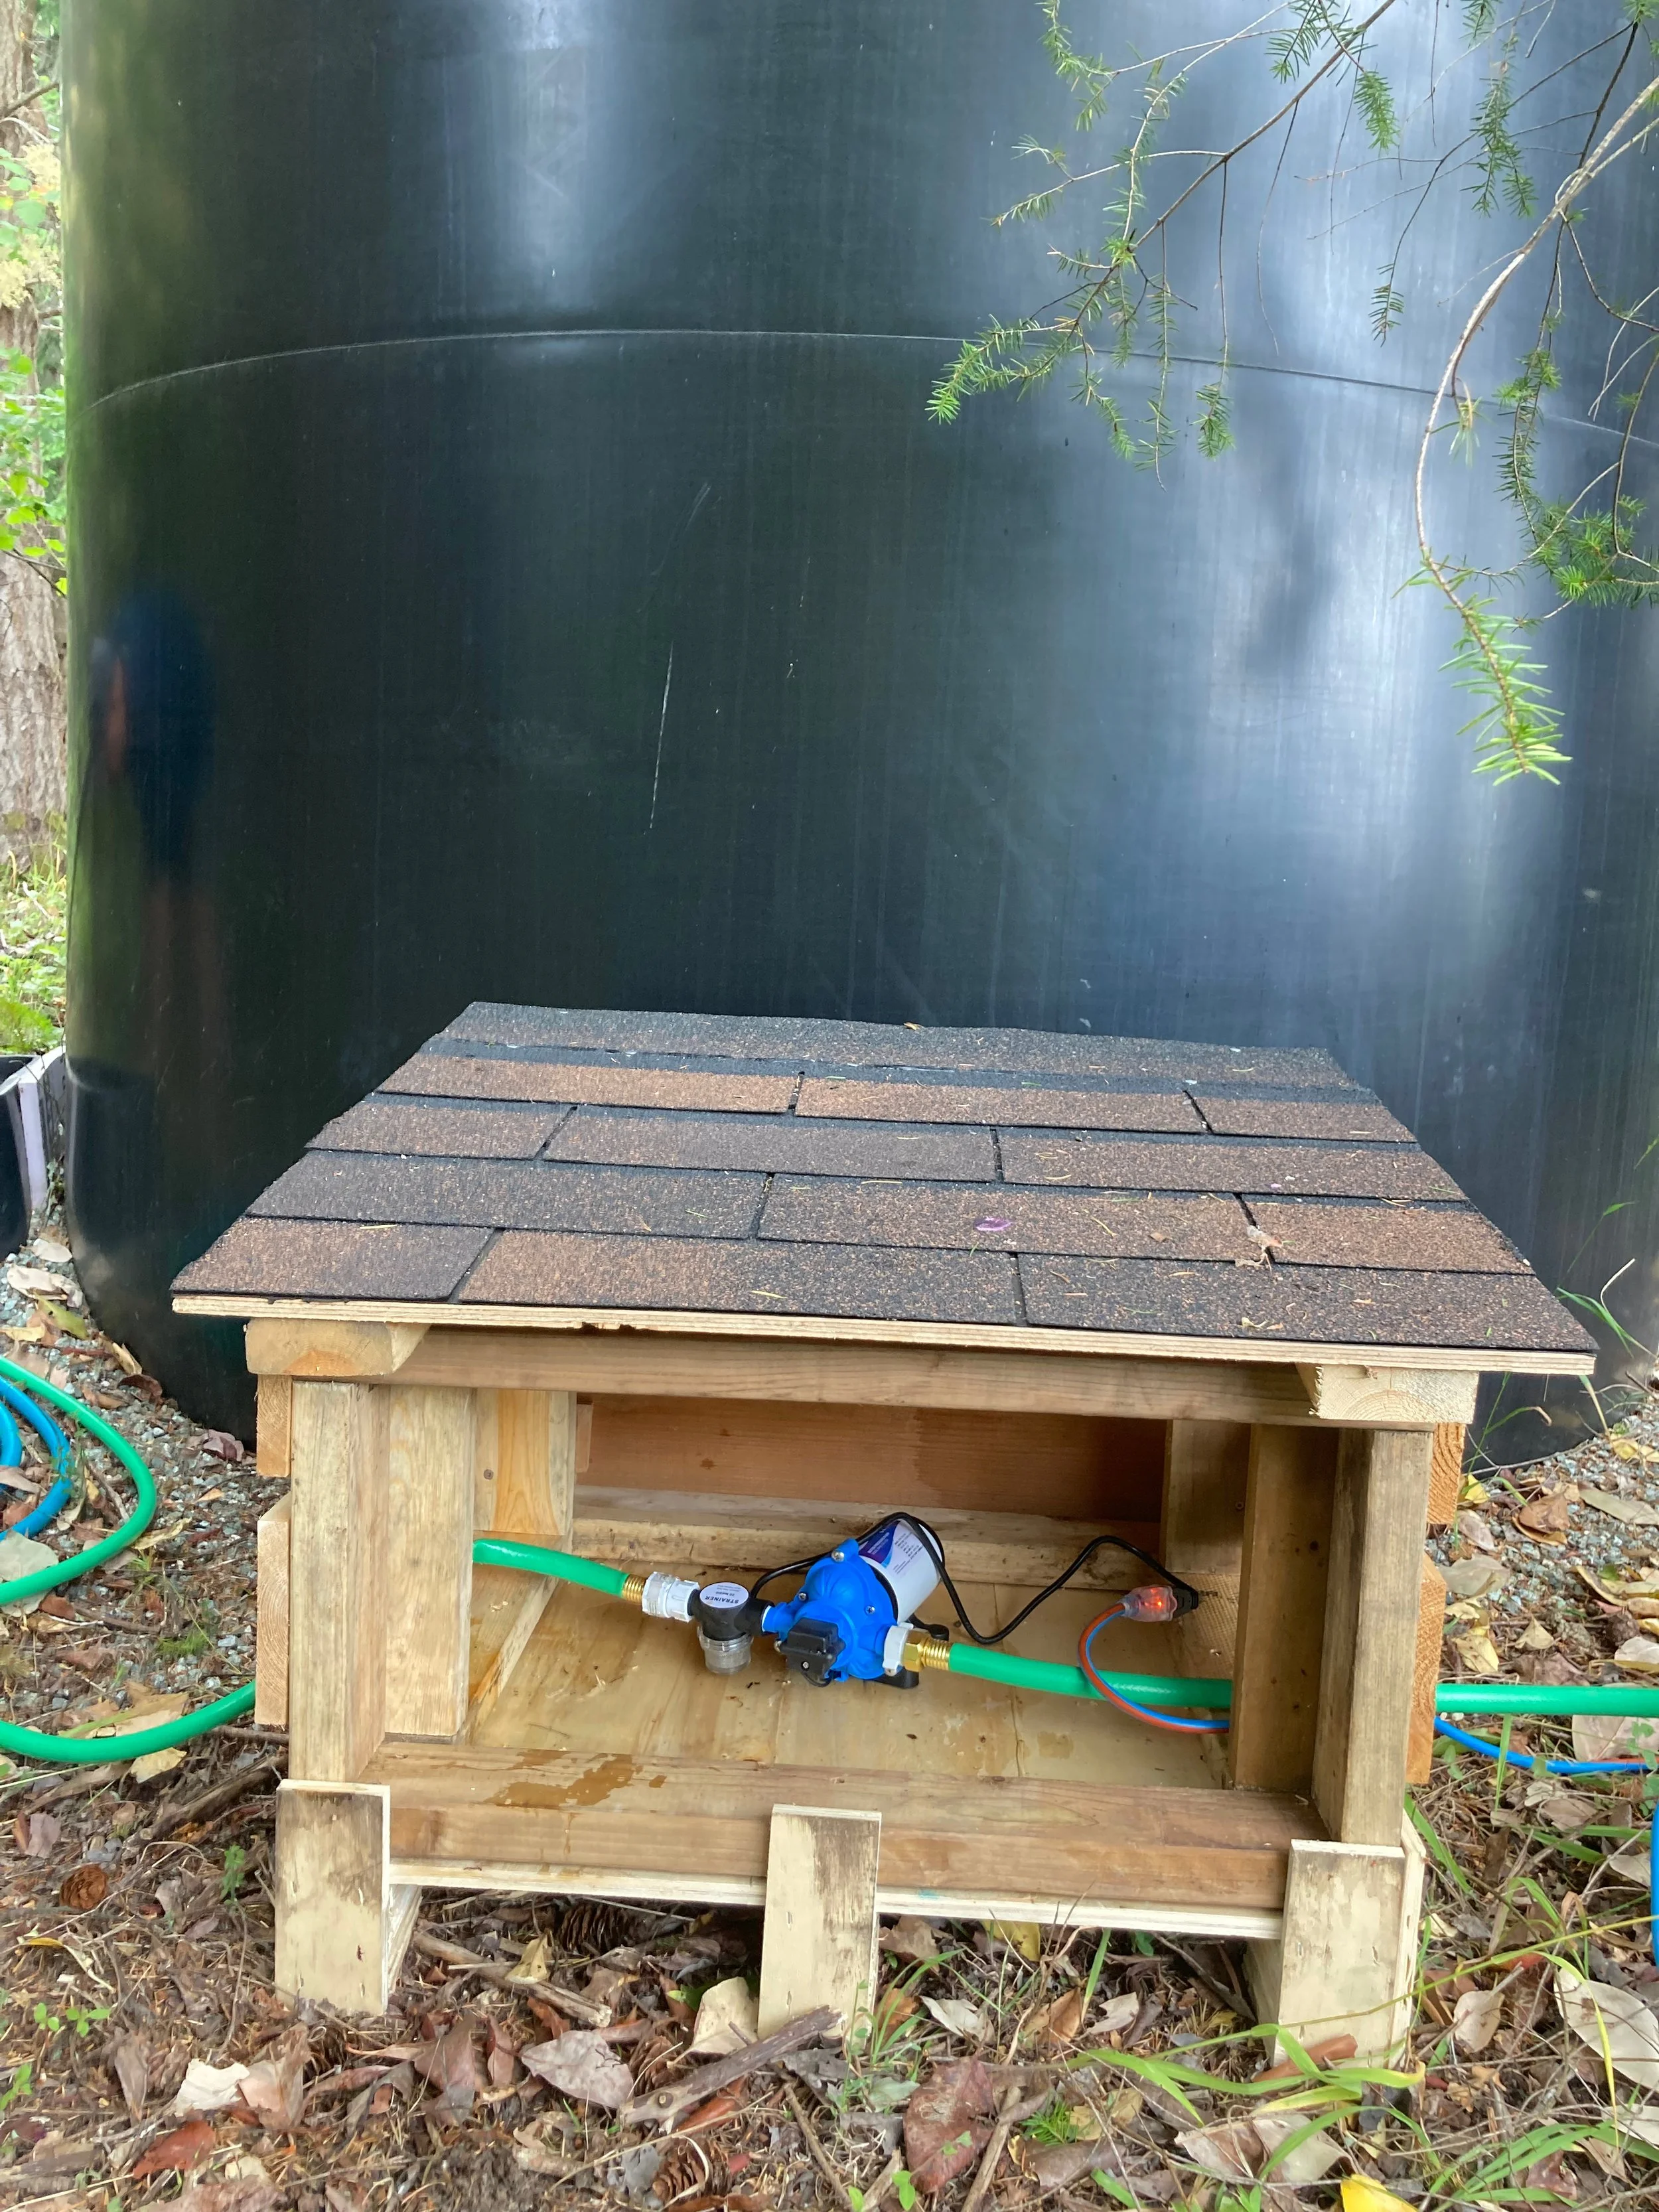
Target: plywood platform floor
<point>597,1677</point>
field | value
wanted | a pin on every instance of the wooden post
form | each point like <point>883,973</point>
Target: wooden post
<point>336,1581</point>
<point>271,1551</point>
<point>525,1456</point>
<point>1425,1672</point>
<point>1446,1473</point>
<point>430,1587</point>
<point>1347,1963</point>
<point>1371,1612</point>
<point>342,1928</point>
<point>1207,1466</point>
<point>818,1947</point>
<point>273,1422</point>
<point>1281,1609</point>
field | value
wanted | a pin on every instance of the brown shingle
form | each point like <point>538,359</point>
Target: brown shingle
<point>877,1044</point>
<point>1322,1171</point>
<point>673,1275</point>
<point>1303,1305</point>
<point>1423,1237</point>
<point>628,1201</point>
<point>334,1259</point>
<point>434,1075</point>
<point>1007,1105</point>
<point>1301,1117</point>
<point>479,1133</point>
<point>781,1144</point>
<point>948,1217</point>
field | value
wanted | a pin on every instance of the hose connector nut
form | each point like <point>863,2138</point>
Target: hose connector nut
<point>667,1597</point>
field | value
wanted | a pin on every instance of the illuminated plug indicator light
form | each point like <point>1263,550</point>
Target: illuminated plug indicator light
<point>1152,1602</point>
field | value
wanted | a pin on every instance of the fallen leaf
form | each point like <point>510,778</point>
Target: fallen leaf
<point>533,2155</point>
<point>343,2197</point>
<point>1475,1577</point>
<point>1614,2023</point>
<point>1635,1511</point>
<point>49,1248</point>
<point>1478,1652</point>
<point>1644,2126</point>
<point>207,2088</point>
<point>533,1962</point>
<point>500,2057</point>
<point>157,1762</point>
<point>1535,1637</point>
<point>178,2152</point>
<point>948,2121</point>
<point>1305,2162</point>
<point>1026,1936</point>
<point>727,2019</point>
<point>19,1556</point>
<point>273,2089</point>
<point>910,1938</point>
<point>1477,2018</point>
<point>1550,2178</point>
<point>1360,2194</point>
<point>220,1445</point>
<point>247,2194</point>
<point>1627,1448</point>
<point>1476,1530</point>
<point>124,1360</point>
<point>37,1834</point>
<point>1060,2021</point>
<point>1231,2150</point>
<point>87,1885</point>
<point>1597,1737</point>
<point>1568,1810</point>
<point>959,2016</point>
<point>1057,2166</point>
<point>581,2065</point>
<point>1117,2013</point>
<point>451,2065</point>
<point>1633,1861</point>
<point>127,2057</point>
<point>61,1318</point>
<point>1640,1653</point>
<point>893,2006</point>
<point>1608,2156</point>
<point>1546,1518</point>
<point>27,1281</point>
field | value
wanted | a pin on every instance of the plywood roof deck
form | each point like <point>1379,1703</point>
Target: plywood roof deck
<point>995,1188</point>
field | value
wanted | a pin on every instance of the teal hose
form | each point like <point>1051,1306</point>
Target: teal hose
<point>92,1751</point>
<point>560,1566</point>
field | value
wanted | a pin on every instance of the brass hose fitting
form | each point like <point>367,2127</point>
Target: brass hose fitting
<point>633,1589</point>
<point>923,1652</point>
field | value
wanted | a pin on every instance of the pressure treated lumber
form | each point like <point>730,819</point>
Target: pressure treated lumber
<point>1373,1604</point>
<point>342,1347</point>
<point>1281,1609</point>
<point>1389,1397</point>
<point>1446,1473</point>
<point>662,1362</point>
<point>691,1822</point>
<point>271,1551</point>
<point>1425,1671</point>
<point>818,1947</point>
<point>273,1426</point>
<point>1347,1962</point>
<point>428,1593</point>
<point>1207,1466</point>
<point>342,1927</point>
<point>524,1454</point>
<point>338,1548</point>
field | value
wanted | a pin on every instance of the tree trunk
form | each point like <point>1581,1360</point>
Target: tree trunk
<point>33,760</point>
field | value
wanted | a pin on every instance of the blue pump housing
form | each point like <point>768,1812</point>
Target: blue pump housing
<point>834,1629</point>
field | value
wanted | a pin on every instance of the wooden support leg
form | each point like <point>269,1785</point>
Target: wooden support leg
<point>273,1425</point>
<point>336,1581</point>
<point>1281,1609</point>
<point>271,1540</point>
<point>1426,1674</point>
<point>430,1587</point>
<point>1348,1960</point>
<point>819,1944</point>
<point>1371,1612</point>
<point>342,1928</point>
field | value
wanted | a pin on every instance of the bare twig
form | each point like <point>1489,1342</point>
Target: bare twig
<point>819,2156</point>
<point>210,1802</point>
<point>1013,2109</point>
<point>456,1954</point>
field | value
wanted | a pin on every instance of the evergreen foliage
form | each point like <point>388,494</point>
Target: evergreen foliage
<point>1119,300</point>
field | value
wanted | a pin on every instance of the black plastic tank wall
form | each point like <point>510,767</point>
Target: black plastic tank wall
<point>511,560</point>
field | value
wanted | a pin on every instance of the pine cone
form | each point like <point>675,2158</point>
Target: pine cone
<point>689,2168</point>
<point>588,1928</point>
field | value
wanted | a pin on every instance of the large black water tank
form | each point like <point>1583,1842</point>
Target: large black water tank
<point>511,561</point>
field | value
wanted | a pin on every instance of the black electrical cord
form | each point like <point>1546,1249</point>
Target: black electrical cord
<point>1186,1596</point>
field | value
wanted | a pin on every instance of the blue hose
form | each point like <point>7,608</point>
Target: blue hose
<point>1526,1759</point>
<point>11,1455</point>
<point>11,1444</point>
<point>46,1511</point>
